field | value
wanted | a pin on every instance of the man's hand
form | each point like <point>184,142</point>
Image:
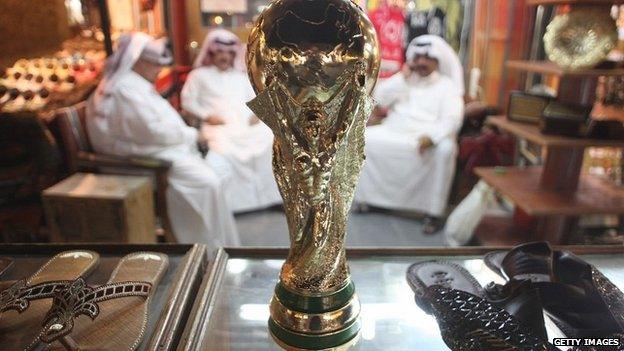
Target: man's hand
<point>214,120</point>
<point>424,143</point>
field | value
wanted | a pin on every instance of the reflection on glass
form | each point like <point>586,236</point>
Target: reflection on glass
<point>390,318</point>
<point>254,312</point>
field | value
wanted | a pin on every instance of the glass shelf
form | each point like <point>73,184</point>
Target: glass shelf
<point>232,314</point>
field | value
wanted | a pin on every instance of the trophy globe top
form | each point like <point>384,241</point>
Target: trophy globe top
<point>308,45</point>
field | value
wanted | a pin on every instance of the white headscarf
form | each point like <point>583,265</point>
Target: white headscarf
<point>436,47</point>
<point>220,39</point>
<point>130,47</point>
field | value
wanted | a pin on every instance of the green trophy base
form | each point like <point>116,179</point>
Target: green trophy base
<point>314,322</point>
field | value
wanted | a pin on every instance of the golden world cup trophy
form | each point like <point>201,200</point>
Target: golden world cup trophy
<point>313,65</point>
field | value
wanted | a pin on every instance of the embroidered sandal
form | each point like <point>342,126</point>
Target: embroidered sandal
<point>23,303</point>
<point>109,317</point>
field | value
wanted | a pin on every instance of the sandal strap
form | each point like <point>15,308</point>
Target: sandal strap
<point>119,290</point>
<point>78,298</point>
<point>532,261</point>
<point>17,297</point>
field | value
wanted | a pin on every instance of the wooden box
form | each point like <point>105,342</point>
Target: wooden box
<point>101,208</point>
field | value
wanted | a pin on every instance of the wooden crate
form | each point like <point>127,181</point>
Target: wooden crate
<point>101,208</point>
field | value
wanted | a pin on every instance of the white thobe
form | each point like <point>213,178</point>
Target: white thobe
<point>395,175</point>
<point>142,123</point>
<point>247,148</point>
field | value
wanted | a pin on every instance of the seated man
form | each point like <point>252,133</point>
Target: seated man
<point>216,92</point>
<point>410,156</point>
<point>126,116</point>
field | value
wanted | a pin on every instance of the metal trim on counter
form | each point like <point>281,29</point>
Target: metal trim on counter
<point>281,252</point>
<point>202,308</point>
<point>180,301</point>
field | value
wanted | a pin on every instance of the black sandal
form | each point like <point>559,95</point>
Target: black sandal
<point>472,318</point>
<point>580,300</point>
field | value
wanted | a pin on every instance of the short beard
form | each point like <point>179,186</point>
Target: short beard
<point>224,67</point>
<point>424,74</point>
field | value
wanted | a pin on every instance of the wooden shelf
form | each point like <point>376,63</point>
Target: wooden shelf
<point>521,185</point>
<point>574,2</point>
<point>547,67</point>
<point>532,133</point>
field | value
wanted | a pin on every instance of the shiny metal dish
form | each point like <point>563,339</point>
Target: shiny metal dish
<point>581,38</point>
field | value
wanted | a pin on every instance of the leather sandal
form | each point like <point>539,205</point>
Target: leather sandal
<point>24,303</point>
<point>108,317</point>
<point>579,299</point>
<point>472,318</point>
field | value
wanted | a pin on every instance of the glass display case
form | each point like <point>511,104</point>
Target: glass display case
<point>232,310</point>
<point>174,296</point>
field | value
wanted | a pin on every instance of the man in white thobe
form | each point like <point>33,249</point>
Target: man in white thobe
<point>216,92</point>
<point>410,156</point>
<point>126,116</point>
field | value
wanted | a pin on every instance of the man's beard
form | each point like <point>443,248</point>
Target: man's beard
<point>224,66</point>
<point>423,71</point>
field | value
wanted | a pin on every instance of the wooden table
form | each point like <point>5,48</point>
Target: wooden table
<point>521,185</point>
<point>555,193</point>
<point>90,207</point>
